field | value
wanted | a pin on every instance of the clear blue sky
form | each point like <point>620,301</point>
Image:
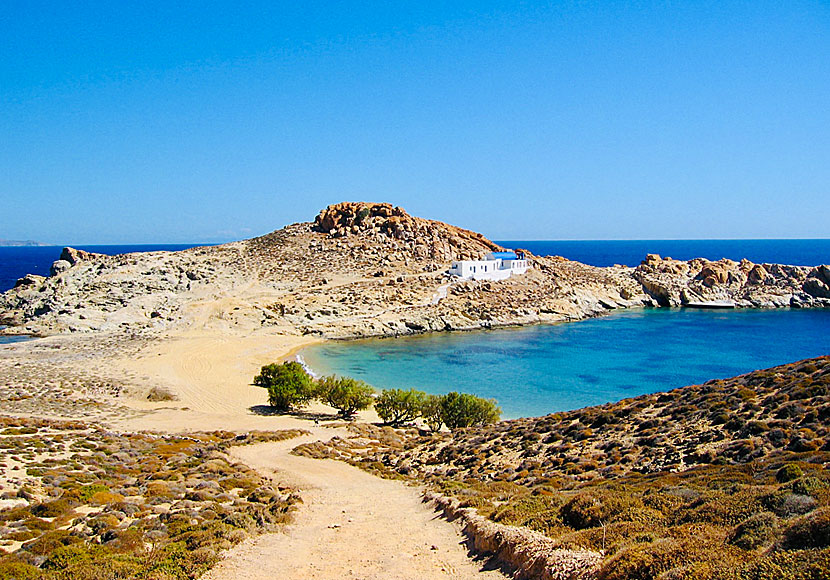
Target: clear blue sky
<point>201,121</point>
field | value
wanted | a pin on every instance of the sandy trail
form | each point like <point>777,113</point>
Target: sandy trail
<point>351,525</point>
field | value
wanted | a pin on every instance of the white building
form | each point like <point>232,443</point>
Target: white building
<point>496,266</point>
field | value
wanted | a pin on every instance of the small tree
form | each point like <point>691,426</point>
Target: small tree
<point>431,412</point>
<point>345,394</point>
<point>396,406</point>
<point>288,385</point>
<point>465,410</point>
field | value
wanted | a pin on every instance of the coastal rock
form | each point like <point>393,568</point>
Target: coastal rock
<point>716,273</point>
<point>818,282</point>
<point>59,267</point>
<point>29,280</point>
<point>757,275</point>
<point>74,256</point>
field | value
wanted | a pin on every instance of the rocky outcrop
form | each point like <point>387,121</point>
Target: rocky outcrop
<point>429,238</point>
<point>678,283</point>
<point>29,280</point>
<point>59,267</point>
<point>74,256</point>
<point>818,282</point>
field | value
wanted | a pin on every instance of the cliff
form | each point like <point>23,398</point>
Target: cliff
<point>370,269</point>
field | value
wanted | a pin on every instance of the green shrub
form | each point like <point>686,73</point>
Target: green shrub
<point>14,570</point>
<point>788,473</point>
<point>288,385</point>
<point>431,412</point>
<point>396,406</point>
<point>52,509</point>
<point>68,557</point>
<point>464,410</point>
<point>345,394</point>
<point>50,541</point>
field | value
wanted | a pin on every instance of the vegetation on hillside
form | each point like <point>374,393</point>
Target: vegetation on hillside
<point>725,480</point>
<point>94,504</point>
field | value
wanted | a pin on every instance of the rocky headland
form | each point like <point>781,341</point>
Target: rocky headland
<point>370,269</point>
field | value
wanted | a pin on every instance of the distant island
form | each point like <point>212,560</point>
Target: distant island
<point>19,243</point>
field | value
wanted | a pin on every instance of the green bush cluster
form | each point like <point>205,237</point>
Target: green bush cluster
<point>345,394</point>
<point>290,386</point>
<point>455,410</point>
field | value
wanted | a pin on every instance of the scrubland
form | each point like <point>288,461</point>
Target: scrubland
<point>83,502</point>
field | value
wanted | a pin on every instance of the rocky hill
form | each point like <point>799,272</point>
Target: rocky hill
<point>728,479</point>
<point>370,269</point>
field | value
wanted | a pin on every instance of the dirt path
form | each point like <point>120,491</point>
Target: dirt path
<point>351,525</point>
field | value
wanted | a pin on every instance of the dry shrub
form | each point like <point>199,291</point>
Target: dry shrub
<point>756,531</point>
<point>809,531</point>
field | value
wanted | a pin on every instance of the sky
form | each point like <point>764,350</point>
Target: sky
<point>180,122</point>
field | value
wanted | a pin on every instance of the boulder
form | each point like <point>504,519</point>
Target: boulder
<point>817,283</point>
<point>59,267</point>
<point>74,256</point>
<point>714,273</point>
<point>757,275</point>
<point>29,280</point>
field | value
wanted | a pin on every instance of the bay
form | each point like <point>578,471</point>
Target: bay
<point>537,370</point>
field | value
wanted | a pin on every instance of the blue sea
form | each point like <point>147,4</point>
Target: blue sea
<point>632,252</point>
<point>538,370</point>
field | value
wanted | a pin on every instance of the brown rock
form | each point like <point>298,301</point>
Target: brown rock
<point>74,256</point>
<point>757,275</point>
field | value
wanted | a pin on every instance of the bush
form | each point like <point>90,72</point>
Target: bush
<point>19,571</point>
<point>431,412</point>
<point>288,385</point>
<point>810,531</point>
<point>465,410</point>
<point>345,394</point>
<point>788,473</point>
<point>396,406</point>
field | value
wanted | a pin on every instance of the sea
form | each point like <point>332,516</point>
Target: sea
<point>632,252</point>
<point>537,370</point>
<point>543,369</point>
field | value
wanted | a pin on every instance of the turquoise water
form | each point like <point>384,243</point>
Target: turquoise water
<point>10,339</point>
<point>542,369</point>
